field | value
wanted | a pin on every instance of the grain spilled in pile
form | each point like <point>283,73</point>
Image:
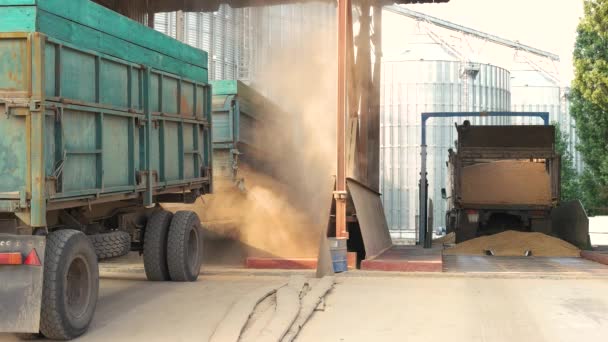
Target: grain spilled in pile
<point>514,243</point>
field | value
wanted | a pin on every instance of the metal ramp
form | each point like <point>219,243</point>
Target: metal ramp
<point>522,265</point>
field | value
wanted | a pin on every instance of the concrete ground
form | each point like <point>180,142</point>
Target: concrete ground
<point>462,309</point>
<point>130,308</point>
<point>363,306</point>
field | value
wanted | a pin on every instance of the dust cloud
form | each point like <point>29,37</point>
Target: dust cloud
<point>284,207</point>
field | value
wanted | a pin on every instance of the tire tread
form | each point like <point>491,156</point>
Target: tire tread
<point>176,245</point>
<point>155,246</point>
<point>52,325</point>
<point>111,245</point>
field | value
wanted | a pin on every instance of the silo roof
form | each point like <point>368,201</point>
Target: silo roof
<point>421,47</point>
<point>524,74</point>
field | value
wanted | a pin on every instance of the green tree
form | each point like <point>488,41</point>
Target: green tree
<point>589,102</point>
<point>570,182</point>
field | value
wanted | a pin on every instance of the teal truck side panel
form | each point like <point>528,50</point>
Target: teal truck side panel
<point>17,2</point>
<point>18,18</point>
<point>93,27</point>
<point>87,114</point>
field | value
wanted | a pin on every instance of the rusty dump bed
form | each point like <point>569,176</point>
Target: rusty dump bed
<point>534,138</point>
<point>96,108</point>
<point>514,166</point>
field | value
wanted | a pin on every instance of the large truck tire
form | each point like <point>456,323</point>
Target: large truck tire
<point>70,285</point>
<point>155,246</point>
<point>111,245</point>
<point>184,246</point>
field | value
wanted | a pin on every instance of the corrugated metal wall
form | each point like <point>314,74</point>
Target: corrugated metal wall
<point>219,33</point>
<point>283,34</point>
<point>413,84</point>
<point>241,41</point>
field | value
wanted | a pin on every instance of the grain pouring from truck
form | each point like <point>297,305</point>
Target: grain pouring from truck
<point>101,118</point>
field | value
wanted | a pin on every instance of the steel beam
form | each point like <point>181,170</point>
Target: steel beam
<point>344,6</point>
<point>455,27</point>
<point>157,6</point>
<point>373,162</point>
<point>363,71</point>
<point>179,26</point>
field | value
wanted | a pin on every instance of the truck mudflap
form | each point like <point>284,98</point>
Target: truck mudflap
<point>21,270</point>
<point>570,222</point>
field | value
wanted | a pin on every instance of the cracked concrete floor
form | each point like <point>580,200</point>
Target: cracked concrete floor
<point>363,306</point>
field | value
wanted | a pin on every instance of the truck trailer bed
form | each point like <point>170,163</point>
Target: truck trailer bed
<point>95,107</point>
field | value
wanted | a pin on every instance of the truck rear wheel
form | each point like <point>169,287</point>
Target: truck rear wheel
<point>111,245</point>
<point>155,246</point>
<point>70,285</point>
<point>184,247</point>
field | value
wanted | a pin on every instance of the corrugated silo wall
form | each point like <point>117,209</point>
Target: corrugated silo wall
<point>290,36</point>
<point>552,99</point>
<point>220,33</point>
<point>410,88</point>
<point>241,41</point>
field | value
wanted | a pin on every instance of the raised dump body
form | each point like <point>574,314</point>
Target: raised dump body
<point>100,118</point>
<point>503,177</point>
<point>245,124</point>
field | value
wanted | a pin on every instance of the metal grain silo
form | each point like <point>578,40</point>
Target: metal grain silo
<point>219,33</point>
<point>289,36</point>
<point>427,78</point>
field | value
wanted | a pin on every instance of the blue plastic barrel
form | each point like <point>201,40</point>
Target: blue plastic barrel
<point>337,249</point>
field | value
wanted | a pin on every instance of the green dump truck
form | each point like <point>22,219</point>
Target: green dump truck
<point>100,119</point>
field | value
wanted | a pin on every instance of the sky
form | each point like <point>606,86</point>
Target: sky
<point>549,25</point>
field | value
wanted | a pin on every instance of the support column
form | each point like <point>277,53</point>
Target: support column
<point>366,94</point>
<point>352,91</point>
<point>373,141</point>
<point>364,77</point>
<point>179,26</point>
<point>151,19</point>
<point>344,6</point>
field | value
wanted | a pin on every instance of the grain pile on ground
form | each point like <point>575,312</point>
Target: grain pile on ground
<point>513,243</point>
<point>446,239</point>
<point>506,182</point>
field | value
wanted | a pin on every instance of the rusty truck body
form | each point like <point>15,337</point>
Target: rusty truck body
<point>506,178</point>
